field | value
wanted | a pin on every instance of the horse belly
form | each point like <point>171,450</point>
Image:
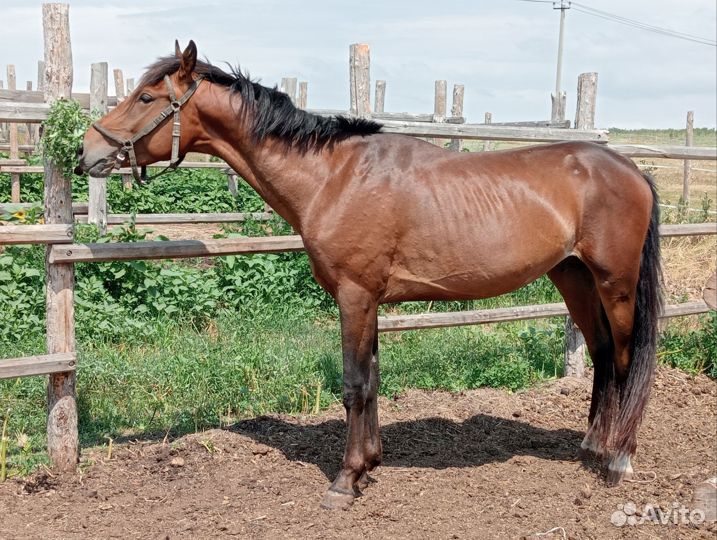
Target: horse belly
<point>481,268</point>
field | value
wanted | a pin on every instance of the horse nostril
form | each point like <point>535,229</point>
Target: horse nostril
<point>80,149</point>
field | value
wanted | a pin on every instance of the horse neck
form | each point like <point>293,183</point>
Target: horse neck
<point>284,177</point>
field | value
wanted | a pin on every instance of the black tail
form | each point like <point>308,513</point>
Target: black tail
<point>635,391</point>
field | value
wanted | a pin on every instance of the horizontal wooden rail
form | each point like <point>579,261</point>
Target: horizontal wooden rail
<point>37,96</point>
<point>14,111</point>
<point>5,147</point>
<point>396,323</point>
<point>173,219</point>
<point>173,249</point>
<point>669,152</point>
<point>37,365</point>
<point>11,208</point>
<point>688,229</point>
<point>36,234</point>
<point>494,133</point>
<point>35,169</point>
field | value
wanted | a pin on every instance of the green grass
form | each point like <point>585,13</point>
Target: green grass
<point>183,378</point>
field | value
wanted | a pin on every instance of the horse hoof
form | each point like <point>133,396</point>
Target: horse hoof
<point>333,500</point>
<point>615,476</point>
<point>365,481</point>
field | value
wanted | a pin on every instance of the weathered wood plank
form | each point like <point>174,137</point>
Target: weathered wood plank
<point>689,139</point>
<point>62,436</point>
<point>57,233</point>
<point>97,187</point>
<point>174,249</point>
<point>12,138</point>
<point>395,323</point>
<point>557,110</point>
<point>25,148</point>
<point>688,229</point>
<point>534,123</point>
<point>23,169</point>
<point>587,97</point>
<point>38,96</point>
<point>288,86</point>
<point>37,365</point>
<point>119,84</point>
<point>440,99</point>
<point>496,133</point>
<point>379,97</point>
<point>302,100</point>
<point>10,208</point>
<point>12,111</point>
<point>457,111</point>
<point>360,80</point>
<point>574,353</point>
<point>171,219</point>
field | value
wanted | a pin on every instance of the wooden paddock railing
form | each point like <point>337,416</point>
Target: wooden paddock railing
<point>60,362</point>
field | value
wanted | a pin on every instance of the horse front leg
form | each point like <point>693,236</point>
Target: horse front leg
<point>358,339</point>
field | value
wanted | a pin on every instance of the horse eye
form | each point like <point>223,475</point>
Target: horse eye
<point>146,98</point>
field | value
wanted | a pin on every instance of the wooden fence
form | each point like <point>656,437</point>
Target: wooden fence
<point>60,362</point>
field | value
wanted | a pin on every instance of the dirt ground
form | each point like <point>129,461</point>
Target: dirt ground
<point>479,464</point>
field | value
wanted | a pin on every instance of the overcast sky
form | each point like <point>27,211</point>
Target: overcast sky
<point>503,51</point>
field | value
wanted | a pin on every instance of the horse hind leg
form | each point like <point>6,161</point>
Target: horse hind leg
<point>577,286</point>
<point>630,293</point>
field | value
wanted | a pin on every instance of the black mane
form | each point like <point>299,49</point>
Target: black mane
<point>272,112</point>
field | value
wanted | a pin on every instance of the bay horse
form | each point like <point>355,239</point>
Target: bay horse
<point>389,218</point>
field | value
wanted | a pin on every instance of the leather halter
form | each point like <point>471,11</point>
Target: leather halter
<point>127,145</point>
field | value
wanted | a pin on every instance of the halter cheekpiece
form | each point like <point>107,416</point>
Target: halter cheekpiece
<point>127,145</point>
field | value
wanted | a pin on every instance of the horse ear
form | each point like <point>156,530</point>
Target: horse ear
<point>188,62</point>
<point>177,49</point>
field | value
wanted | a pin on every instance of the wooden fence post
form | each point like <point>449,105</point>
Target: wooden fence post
<point>360,80</point>
<point>288,86</point>
<point>130,86</point>
<point>557,114</point>
<point>302,100</point>
<point>40,88</point>
<point>574,361</point>
<point>3,125</point>
<point>62,437</point>
<point>457,110</point>
<point>29,128</point>
<point>689,139</point>
<point>574,356</point>
<point>119,84</point>
<point>12,136</point>
<point>587,93</point>
<point>119,92</point>
<point>97,200</point>
<point>440,100</point>
<point>379,97</point>
<point>487,146</point>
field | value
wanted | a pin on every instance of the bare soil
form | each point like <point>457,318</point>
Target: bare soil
<point>479,464</point>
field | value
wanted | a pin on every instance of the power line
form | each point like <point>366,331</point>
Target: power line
<point>643,26</point>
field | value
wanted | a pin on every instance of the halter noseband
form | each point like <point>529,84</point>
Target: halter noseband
<point>127,145</point>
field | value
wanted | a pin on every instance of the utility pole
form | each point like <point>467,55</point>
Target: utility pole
<point>558,98</point>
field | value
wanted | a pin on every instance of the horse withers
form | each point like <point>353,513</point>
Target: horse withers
<point>389,218</point>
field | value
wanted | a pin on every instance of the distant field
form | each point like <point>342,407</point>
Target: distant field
<point>702,136</point>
